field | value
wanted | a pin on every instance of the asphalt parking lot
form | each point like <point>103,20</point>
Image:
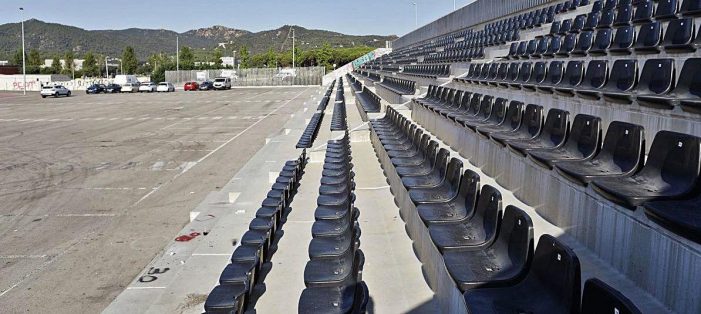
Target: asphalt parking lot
<point>93,187</point>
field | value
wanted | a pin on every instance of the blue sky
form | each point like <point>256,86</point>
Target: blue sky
<point>358,17</point>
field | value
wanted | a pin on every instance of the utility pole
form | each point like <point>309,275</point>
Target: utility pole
<point>293,48</point>
<point>177,53</point>
<point>416,13</point>
<point>24,61</point>
<point>107,68</point>
<point>454,6</point>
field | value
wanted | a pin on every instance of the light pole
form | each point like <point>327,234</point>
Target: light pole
<point>107,69</point>
<point>177,53</point>
<point>416,13</point>
<point>293,48</point>
<point>24,60</point>
<point>234,65</point>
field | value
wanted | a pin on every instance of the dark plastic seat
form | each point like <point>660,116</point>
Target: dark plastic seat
<point>606,19</point>
<point>542,47</point>
<point>477,231</point>
<point>592,21</point>
<point>512,74</point>
<point>553,136</point>
<point>682,217</point>
<point>460,207</point>
<point>432,179</point>
<point>602,42</point>
<point>554,77</point>
<point>554,44</point>
<point>583,143</point>
<point>622,80</point>
<point>227,299</point>
<point>511,121</point>
<point>595,78</point>
<point>690,8</point>
<point>573,77</point>
<point>565,27</point>
<point>623,40</point>
<point>524,75</point>
<point>666,9</point>
<point>643,12</point>
<point>504,263</point>
<point>671,172</point>
<point>531,125</point>
<point>624,15</point>
<point>444,192</point>
<point>537,77</point>
<point>688,89</point>
<point>568,45</point>
<point>598,297</point>
<point>578,23</point>
<point>584,43</point>
<point>649,38</point>
<point>496,115</point>
<point>656,81</point>
<point>552,285</point>
<point>680,35</point>
<point>621,155</point>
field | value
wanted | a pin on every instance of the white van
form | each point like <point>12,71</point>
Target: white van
<point>222,83</point>
<point>125,79</point>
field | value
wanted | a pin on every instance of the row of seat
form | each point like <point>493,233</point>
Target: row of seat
<point>368,100</point>
<point>238,279</point>
<point>327,96</point>
<point>339,120</point>
<point>487,250</point>
<point>333,275</point>
<point>427,71</point>
<point>656,85</point>
<point>618,169</point>
<point>399,86</point>
<point>356,85</point>
<point>310,133</point>
<point>680,37</point>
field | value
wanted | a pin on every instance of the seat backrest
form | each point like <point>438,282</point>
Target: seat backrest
<point>598,297</point>
<point>542,46</point>
<point>516,238</point>
<point>469,191</point>
<point>441,161</point>
<point>585,135</point>
<point>498,112</point>
<point>502,71</point>
<point>624,75</point>
<point>452,174</point>
<point>488,212</point>
<point>532,123</point>
<point>602,40</point>
<point>513,71</point>
<point>556,267</point>
<point>574,73</point>
<point>643,10</point>
<point>680,32</point>
<point>624,146</point>
<point>624,14</point>
<point>565,26</point>
<point>578,23</point>
<point>485,106</point>
<point>569,43</point>
<point>554,44</point>
<point>584,41</point>
<point>514,115</point>
<point>674,158</point>
<point>624,38</point>
<point>657,76</point>
<point>475,102</point>
<point>596,74</point>
<point>649,35</point>
<point>555,27</point>
<point>606,19</point>
<point>666,9</point>
<point>525,72</point>
<point>689,84</point>
<point>556,126</point>
<point>540,71</point>
<point>592,20</point>
<point>555,72</point>
<point>690,7</point>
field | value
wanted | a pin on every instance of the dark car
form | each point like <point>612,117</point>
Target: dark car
<point>113,88</point>
<point>95,89</point>
<point>206,85</point>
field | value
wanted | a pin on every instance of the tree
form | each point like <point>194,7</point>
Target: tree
<point>217,59</point>
<point>324,55</point>
<point>129,61</point>
<point>187,58</point>
<point>70,60</point>
<point>34,58</point>
<point>17,58</point>
<point>90,67</point>
<point>56,65</point>
<point>244,57</point>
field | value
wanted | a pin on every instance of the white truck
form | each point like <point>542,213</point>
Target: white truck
<point>125,79</point>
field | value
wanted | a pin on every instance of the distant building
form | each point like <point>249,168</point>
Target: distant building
<point>3,62</point>
<point>77,63</point>
<point>228,61</point>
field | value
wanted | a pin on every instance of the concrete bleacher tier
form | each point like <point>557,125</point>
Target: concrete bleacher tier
<point>544,160</point>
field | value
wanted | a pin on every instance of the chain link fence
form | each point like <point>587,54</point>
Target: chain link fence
<point>252,77</point>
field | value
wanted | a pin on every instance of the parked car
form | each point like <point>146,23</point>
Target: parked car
<point>206,85</point>
<point>95,89</point>
<point>113,88</point>
<point>148,87</point>
<point>130,87</point>
<point>222,83</point>
<point>55,91</point>
<point>191,86</point>
<point>166,87</point>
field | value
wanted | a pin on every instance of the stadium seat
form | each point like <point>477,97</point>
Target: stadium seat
<point>553,136</point>
<point>649,38</point>
<point>531,125</point>
<point>643,12</point>
<point>445,191</point>
<point>680,35</point>
<point>595,79</point>
<point>670,172</point>
<point>606,19</point>
<point>602,42</point>
<point>583,143</point>
<point>552,285</point>
<point>495,116</point>
<point>584,43</point>
<point>656,81</point>
<point>572,78</point>
<point>624,15</point>
<point>690,8</point>
<point>622,80</point>
<point>688,89</point>
<point>666,9</point>
<point>458,208</point>
<point>554,44</point>
<point>477,231</point>
<point>598,297</point>
<point>568,45</point>
<point>433,178</point>
<point>511,122</point>
<point>592,21</point>
<point>503,263</point>
<point>537,77</point>
<point>623,40</point>
<point>554,77</point>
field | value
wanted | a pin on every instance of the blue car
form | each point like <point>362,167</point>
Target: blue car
<point>95,89</point>
<point>206,85</point>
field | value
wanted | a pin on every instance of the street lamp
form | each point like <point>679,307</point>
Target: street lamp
<point>177,53</point>
<point>107,69</point>
<point>24,61</point>
<point>416,13</point>
<point>234,65</point>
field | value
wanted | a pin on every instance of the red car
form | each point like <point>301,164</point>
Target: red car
<point>191,86</point>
